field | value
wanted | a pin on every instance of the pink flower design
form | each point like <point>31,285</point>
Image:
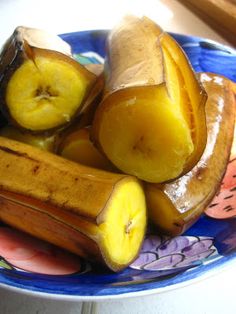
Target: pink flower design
<point>30,254</point>
<point>224,204</point>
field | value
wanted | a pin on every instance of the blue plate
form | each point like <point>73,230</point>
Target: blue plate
<point>164,263</point>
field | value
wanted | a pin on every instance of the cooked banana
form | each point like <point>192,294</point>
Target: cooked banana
<point>77,146</point>
<point>175,206</point>
<point>42,86</point>
<point>151,121</point>
<point>95,214</point>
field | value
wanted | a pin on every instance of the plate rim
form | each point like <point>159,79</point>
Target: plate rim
<point>97,298</point>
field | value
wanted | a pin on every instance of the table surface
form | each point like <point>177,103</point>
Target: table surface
<point>212,295</point>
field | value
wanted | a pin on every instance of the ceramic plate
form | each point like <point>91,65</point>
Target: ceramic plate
<point>35,267</point>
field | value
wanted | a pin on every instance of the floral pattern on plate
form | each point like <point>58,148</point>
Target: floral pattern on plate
<point>224,204</point>
<point>160,253</point>
<point>21,251</point>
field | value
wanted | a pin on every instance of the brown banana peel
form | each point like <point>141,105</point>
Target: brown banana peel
<point>96,214</point>
<point>175,206</point>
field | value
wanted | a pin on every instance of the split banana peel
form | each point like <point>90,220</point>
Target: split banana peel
<point>42,87</point>
<point>151,120</point>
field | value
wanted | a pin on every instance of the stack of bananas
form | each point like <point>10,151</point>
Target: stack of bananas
<point>88,157</point>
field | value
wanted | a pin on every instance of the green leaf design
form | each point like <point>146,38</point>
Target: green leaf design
<point>88,58</point>
<point>4,264</point>
<point>82,59</point>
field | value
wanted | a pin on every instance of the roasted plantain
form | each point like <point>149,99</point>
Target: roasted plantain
<point>175,206</point>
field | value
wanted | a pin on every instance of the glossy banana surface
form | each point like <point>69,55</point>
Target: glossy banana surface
<point>175,206</point>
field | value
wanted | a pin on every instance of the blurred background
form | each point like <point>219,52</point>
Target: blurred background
<point>72,15</point>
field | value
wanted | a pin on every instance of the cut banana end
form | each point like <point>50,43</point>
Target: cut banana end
<point>45,92</point>
<point>42,86</point>
<point>123,225</point>
<point>150,158</point>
